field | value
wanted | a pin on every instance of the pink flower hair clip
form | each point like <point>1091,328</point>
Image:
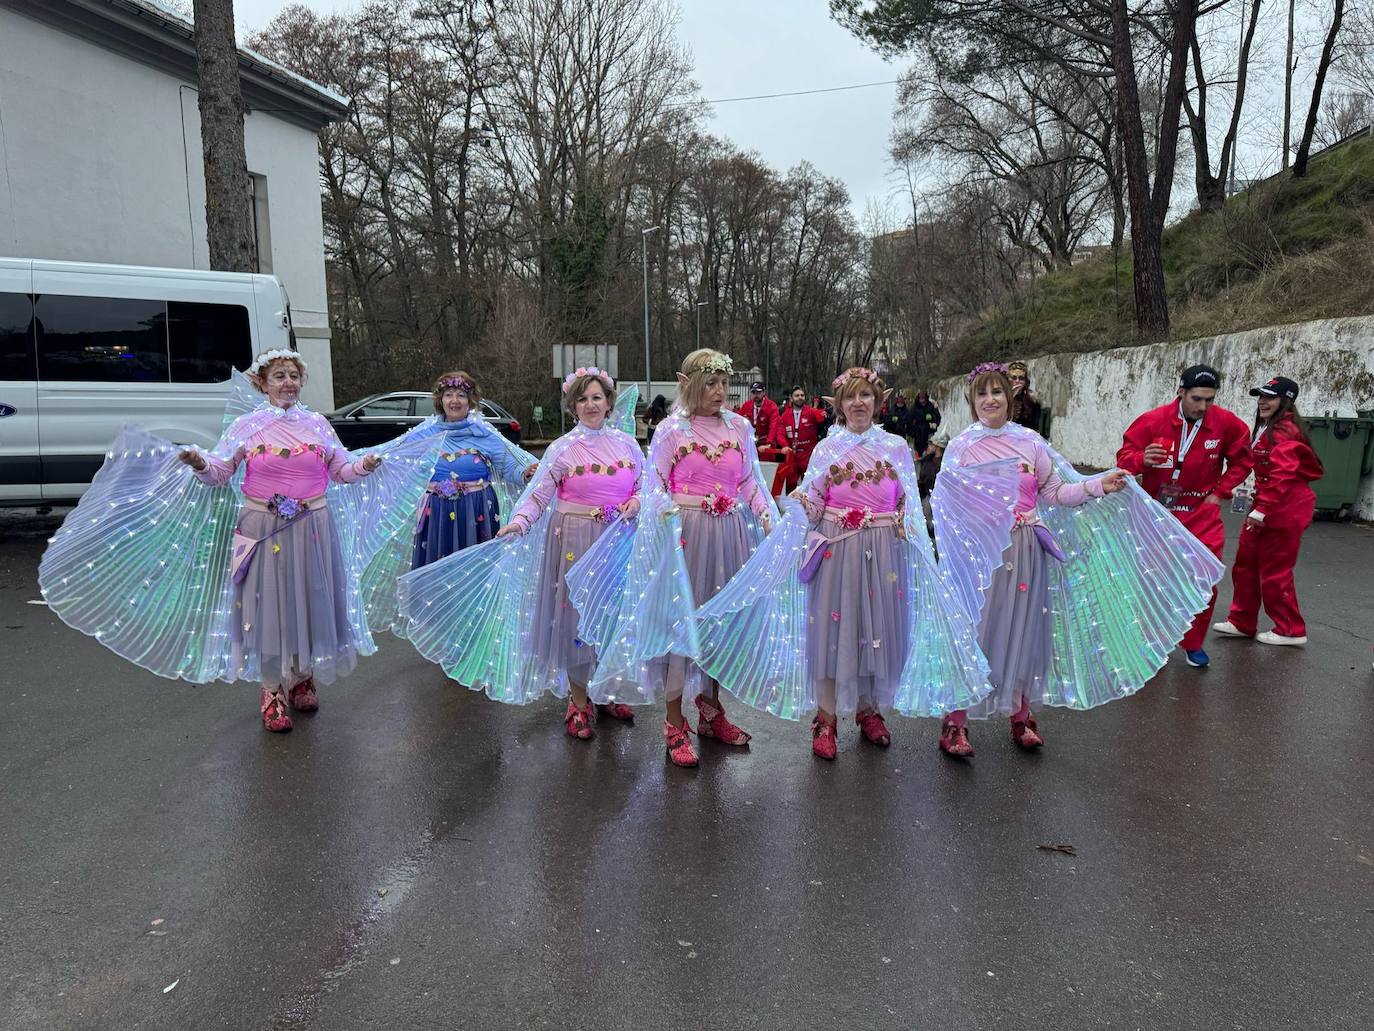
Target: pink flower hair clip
<point>978,370</point>
<point>588,370</point>
<point>844,377</point>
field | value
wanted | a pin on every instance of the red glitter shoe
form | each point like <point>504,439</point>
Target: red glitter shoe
<point>303,697</point>
<point>1026,734</point>
<point>711,722</point>
<point>679,744</point>
<point>823,743</point>
<point>273,706</point>
<point>617,711</point>
<point>875,730</point>
<point>954,740</point>
<point>579,721</point>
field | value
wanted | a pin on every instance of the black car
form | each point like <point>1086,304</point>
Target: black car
<point>381,417</point>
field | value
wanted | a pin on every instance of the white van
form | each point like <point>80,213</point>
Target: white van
<point>85,348</point>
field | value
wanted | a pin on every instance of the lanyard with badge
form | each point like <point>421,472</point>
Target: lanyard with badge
<point>1169,493</point>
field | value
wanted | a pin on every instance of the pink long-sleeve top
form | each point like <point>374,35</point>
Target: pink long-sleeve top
<point>860,480</point>
<point>289,451</point>
<point>586,467</point>
<point>705,455</point>
<point>1038,481</point>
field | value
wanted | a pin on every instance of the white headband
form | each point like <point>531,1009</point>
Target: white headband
<point>268,357</point>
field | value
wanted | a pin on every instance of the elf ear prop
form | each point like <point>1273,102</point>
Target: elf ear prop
<point>828,400</point>
<point>682,380</point>
<point>886,394</point>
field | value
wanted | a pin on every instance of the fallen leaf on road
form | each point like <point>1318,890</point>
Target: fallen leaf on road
<point>171,986</point>
<point>157,921</point>
<point>35,601</point>
<point>382,891</point>
<point>1067,850</point>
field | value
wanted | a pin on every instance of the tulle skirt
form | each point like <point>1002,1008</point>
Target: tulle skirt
<point>1017,628</point>
<point>555,642</point>
<point>858,614</point>
<point>452,524</point>
<point>714,548</point>
<point>292,606</point>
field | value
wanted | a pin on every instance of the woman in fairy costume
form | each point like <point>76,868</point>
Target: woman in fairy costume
<point>205,575</point>
<point>843,608</point>
<point>499,617</point>
<point>461,506</point>
<point>705,508</point>
<point>1081,586</point>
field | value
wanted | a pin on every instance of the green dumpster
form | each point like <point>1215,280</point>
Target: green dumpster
<point>1346,448</point>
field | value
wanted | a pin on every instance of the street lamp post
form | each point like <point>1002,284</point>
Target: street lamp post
<point>644,250</point>
<point>700,305</point>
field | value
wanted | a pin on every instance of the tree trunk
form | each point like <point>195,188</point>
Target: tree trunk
<point>1288,86</point>
<point>1314,108</point>
<point>228,202</point>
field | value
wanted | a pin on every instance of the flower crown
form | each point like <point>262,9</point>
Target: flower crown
<point>268,357</point>
<point>978,370</point>
<point>588,370</point>
<point>458,383</point>
<point>868,375</point>
<point>718,363</point>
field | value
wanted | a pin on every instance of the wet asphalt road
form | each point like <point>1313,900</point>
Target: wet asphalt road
<point>415,856</point>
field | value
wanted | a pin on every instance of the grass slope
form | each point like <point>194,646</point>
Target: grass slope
<point>1285,250</point>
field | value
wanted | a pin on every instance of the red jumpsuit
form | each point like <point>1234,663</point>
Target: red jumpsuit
<point>798,429</point>
<point>1217,460</point>
<point>760,417</point>
<point>1263,574</point>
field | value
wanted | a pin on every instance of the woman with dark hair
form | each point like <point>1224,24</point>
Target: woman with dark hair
<point>658,411</point>
<point>1025,407</point>
<point>462,506</point>
<point>1285,465</point>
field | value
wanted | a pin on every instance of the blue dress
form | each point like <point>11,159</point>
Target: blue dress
<point>461,506</point>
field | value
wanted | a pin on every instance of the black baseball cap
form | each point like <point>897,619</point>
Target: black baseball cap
<point>1279,386</point>
<point>756,385</point>
<point>1199,376</point>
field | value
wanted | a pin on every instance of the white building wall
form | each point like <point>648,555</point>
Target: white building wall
<point>100,160</point>
<point>1095,396</point>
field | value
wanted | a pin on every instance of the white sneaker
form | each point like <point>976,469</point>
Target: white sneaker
<point>1269,637</point>
<point>1227,630</point>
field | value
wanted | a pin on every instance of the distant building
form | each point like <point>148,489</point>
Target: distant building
<point>100,151</point>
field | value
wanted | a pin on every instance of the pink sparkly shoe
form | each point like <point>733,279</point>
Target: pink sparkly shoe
<point>823,743</point>
<point>875,730</point>
<point>617,711</point>
<point>303,697</point>
<point>273,706</point>
<point>1026,734</point>
<point>579,721</point>
<point>679,744</point>
<point>954,740</point>
<point>711,722</point>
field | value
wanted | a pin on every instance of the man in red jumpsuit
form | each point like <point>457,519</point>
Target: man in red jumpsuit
<point>795,432</point>
<point>760,410</point>
<point>1193,454</point>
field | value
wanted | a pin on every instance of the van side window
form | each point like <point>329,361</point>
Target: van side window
<point>207,340</point>
<point>16,337</point>
<point>101,339</point>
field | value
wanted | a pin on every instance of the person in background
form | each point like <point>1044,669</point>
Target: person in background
<point>1025,407</point>
<point>795,432</point>
<point>896,416</point>
<point>658,411</point>
<point>760,410</point>
<point>1285,466</point>
<point>1192,454</point>
<point>928,441</point>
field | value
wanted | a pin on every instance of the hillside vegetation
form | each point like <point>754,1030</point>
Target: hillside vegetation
<point>1285,250</point>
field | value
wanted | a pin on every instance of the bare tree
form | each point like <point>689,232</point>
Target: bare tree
<point>1314,107</point>
<point>228,203</point>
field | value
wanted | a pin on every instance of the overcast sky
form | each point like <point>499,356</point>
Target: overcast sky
<point>747,47</point>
